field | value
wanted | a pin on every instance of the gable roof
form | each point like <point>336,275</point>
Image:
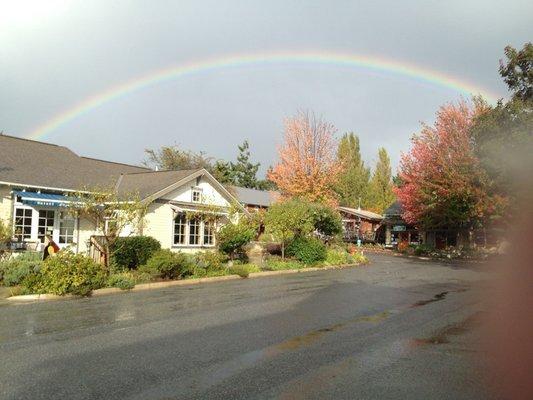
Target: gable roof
<point>362,213</point>
<point>254,197</point>
<point>394,209</point>
<point>27,162</point>
<point>148,183</point>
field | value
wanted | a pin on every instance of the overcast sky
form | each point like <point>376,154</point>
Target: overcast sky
<point>54,54</point>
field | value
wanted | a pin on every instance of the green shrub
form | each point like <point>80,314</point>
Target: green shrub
<point>277,264</point>
<point>13,271</point>
<point>326,220</point>
<point>143,277</point>
<point>123,280</point>
<point>243,270</point>
<point>131,252</point>
<point>307,250</point>
<point>233,237</point>
<point>423,249</point>
<point>210,260</point>
<point>338,256</point>
<point>358,258</point>
<point>169,265</point>
<point>65,273</point>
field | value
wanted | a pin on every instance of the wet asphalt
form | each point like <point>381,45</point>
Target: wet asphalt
<point>395,329</point>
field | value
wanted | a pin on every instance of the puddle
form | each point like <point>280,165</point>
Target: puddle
<point>437,297</point>
<point>443,336</point>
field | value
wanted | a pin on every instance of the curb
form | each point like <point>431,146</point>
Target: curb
<point>183,282</point>
<point>442,260</point>
<point>39,297</point>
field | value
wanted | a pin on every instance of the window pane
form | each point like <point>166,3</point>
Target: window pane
<point>67,224</point>
<point>194,231</point>
<point>46,224</point>
<point>23,223</point>
<point>196,195</point>
<point>179,228</point>
<point>208,233</point>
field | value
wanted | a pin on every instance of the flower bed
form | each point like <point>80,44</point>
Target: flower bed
<point>69,273</point>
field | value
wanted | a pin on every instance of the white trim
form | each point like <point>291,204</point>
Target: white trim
<point>41,187</point>
<point>201,172</point>
<point>201,234</point>
<point>34,233</point>
<point>177,209</point>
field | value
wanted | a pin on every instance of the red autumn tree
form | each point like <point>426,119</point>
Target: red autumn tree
<point>442,183</point>
<point>307,166</point>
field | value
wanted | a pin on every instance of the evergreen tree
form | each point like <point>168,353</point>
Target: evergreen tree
<point>223,172</point>
<point>381,194</point>
<point>244,171</point>
<point>352,185</point>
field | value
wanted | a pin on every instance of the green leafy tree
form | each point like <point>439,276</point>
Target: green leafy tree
<point>381,194</point>
<point>326,220</point>
<point>517,71</point>
<point>110,212</point>
<point>287,219</point>
<point>352,184</point>
<point>5,233</point>
<point>503,137</point>
<point>174,158</point>
<point>232,237</point>
<point>503,134</point>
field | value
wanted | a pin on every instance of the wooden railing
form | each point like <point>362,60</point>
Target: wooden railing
<point>97,249</point>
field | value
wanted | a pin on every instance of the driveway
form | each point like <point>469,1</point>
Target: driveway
<point>397,328</point>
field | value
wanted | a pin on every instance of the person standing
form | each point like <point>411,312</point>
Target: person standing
<point>50,248</point>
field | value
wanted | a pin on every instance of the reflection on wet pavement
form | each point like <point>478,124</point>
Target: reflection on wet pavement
<point>443,335</point>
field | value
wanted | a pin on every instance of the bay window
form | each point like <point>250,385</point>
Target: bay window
<point>193,231</point>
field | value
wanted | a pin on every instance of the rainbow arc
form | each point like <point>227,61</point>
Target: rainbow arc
<point>373,63</point>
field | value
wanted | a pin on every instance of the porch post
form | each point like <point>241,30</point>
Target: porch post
<point>387,235</point>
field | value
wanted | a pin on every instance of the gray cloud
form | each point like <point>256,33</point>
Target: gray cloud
<point>49,65</point>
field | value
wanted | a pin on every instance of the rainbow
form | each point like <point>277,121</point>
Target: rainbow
<point>373,63</point>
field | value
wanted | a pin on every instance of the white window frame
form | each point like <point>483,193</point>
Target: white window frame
<point>34,235</point>
<point>199,191</point>
<point>187,234</point>
<point>183,224</point>
<point>33,230</point>
<point>47,210</point>
<point>60,220</point>
<point>211,232</point>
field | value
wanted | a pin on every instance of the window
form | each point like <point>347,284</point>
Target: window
<point>180,224</point>
<point>23,223</point>
<point>209,233</point>
<point>194,231</point>
<point>67,225</point>
<point>196,194</point>
<point>46,224</point>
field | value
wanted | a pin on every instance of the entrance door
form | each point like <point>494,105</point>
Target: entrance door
<point>45,225</point>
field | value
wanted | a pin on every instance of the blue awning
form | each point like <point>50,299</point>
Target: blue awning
<point>42,199</point>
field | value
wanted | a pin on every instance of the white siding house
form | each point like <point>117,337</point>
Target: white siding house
<point>37,181</point>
